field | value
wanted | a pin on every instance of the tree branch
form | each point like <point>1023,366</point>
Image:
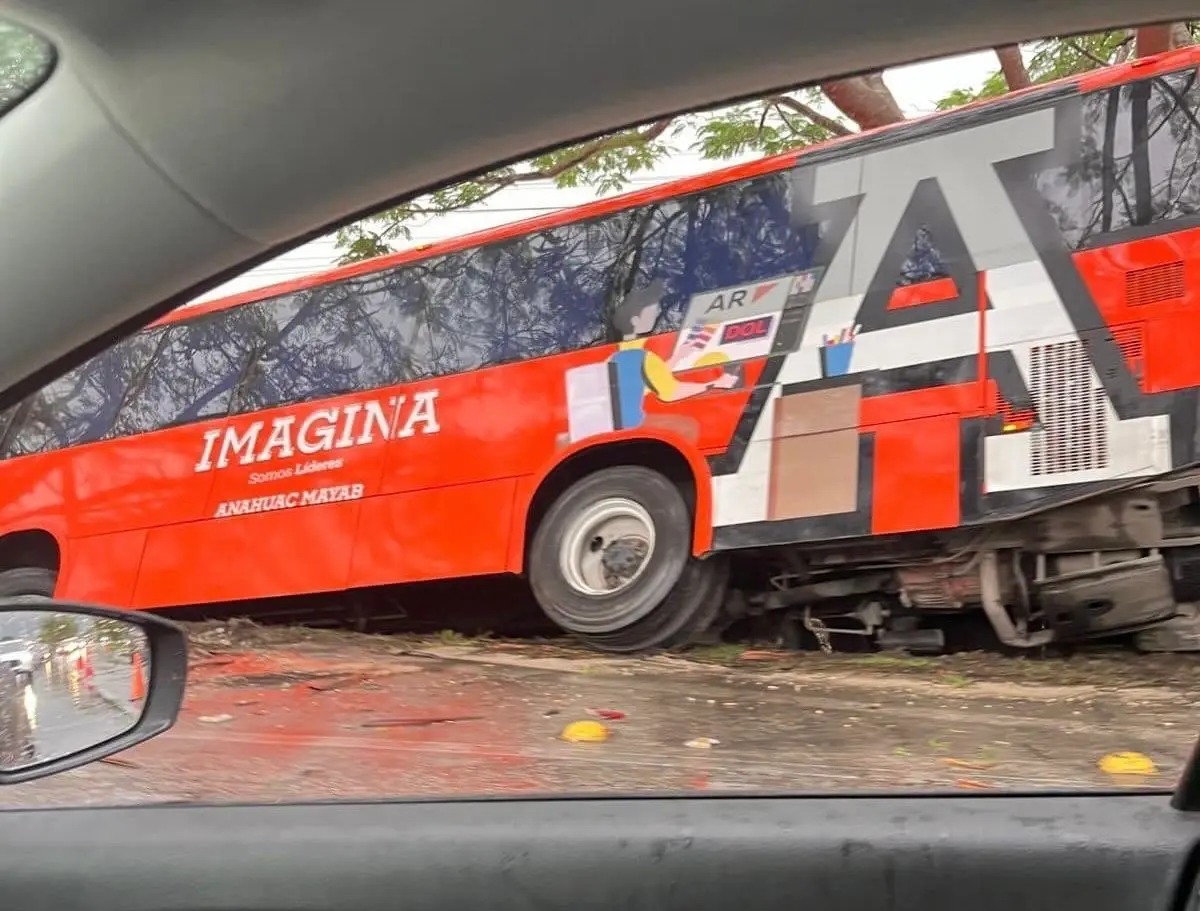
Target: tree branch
<point>864,99</point>
<point>836,127</point>
<point>1153,39</point>
<point>595,147</point>
<point>1012,65</point>
<point>1124,48</point>
<point>586,151</point>
<point>1084,52</point>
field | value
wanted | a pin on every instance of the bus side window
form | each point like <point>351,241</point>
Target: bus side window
<point>6,417</point>
<point>662,257</point>
<point>463,323</point>
<point>717,238</point>
<point>561,287</point>
<point>924,261</point>
<point>639,249</point>
<point>80,406</point>
<point>1136,162</point>
<point>392,305</point>
<point>744,232</point>
<point>531,296</point>
<point>193,375</point>
<point>325,346</point>
<point>446,300</point>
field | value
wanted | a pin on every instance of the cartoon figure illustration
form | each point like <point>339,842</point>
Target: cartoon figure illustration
<point>636,369</point>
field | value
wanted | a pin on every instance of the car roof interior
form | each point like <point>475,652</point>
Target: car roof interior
<point>178,143</point>
<point>175,145</point>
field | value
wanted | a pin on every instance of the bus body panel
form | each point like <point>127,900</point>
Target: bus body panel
<point>102,569</point>
<point>482,419</point>
<point>1023,318</point>
<point>317,446</point>
<point>121,485</point>
<point>434,533</point>
<point>289,552</point>
<point>34,497</point>
<point>1148,291</point>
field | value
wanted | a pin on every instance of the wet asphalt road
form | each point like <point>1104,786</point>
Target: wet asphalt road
<point>283,724</point>
<point>67,716</point>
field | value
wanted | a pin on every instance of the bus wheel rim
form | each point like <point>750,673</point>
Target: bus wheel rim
<point>606,548</point>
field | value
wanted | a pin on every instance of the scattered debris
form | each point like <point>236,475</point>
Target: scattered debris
<point>120,763</point>
<point>965,764</point>
<point>1029,723</point>
<point>606,714</point>
<point>759,654</point>
<point>219,661</point>
<point>585,732</point>
<point>971,784</point>
<point>333,683</point>
<point>1112,668</point>
<point>1127,764</point>
<point>418,722</point>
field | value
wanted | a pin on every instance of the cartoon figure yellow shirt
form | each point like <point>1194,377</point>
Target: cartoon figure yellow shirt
<point>636,370</point>
<point>656,373</point>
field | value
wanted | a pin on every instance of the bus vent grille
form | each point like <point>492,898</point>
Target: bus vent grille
<point>1129,339</point>
<point>1154,284</point>
<point>1072,431</point>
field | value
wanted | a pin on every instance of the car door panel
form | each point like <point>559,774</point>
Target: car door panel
<point>1099,852</point>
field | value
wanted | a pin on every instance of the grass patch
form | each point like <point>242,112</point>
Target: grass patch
<point>907,662</point>
<point>955,680</point>
<point>453,637</point>
<point>716,653</point>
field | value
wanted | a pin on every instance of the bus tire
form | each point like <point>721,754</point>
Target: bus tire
<point>30,581</point>
<point>663,599</point>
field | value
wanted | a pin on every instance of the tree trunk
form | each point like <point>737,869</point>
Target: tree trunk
<point>1125,49</point>
<point>1181,35</point>
<point>864,99</point>
<point>1012,65</point>
<point>1153,39</point>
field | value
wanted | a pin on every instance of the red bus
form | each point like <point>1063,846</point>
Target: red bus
<point>944,367</point>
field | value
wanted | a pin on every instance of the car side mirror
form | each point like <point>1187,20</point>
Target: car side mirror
<point>79,683</point>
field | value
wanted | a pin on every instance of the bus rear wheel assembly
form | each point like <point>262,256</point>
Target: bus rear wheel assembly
<point>611,563</point>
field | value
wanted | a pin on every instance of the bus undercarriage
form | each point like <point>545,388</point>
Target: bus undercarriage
<point>1123,563</point>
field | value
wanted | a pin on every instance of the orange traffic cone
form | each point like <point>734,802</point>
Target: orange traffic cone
<point>138,686</point>
<point>86,671</point>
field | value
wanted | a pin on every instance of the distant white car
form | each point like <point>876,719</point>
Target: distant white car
<point>17,654</point>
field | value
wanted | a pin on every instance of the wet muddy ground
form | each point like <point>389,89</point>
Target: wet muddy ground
<point>286,714</point>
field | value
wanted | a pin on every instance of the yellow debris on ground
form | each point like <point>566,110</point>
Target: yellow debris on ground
<point>1127,764</point>
<point>585,732</point>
